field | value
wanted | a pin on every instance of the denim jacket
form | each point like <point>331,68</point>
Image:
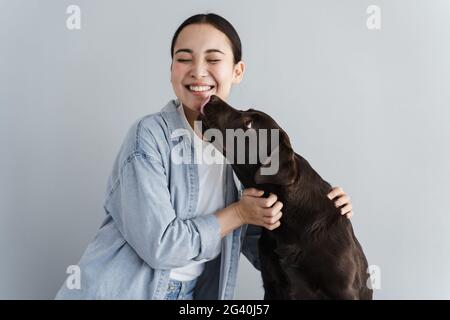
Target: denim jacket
<point>151,224</point>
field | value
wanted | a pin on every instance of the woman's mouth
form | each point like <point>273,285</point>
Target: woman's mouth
<point>200,90</point>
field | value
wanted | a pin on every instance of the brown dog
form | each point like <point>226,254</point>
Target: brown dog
<point>314,254</point>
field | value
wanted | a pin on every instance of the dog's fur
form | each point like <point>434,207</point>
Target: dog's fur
<point>314,254</point>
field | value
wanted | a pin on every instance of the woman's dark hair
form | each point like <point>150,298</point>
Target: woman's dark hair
<point>220,24</point>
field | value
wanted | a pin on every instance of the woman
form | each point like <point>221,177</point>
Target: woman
<point>176,230</point>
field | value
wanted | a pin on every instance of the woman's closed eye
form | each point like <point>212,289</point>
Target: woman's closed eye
<point>213,61</point>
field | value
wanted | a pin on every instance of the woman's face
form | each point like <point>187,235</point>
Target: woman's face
<point>202,65</point>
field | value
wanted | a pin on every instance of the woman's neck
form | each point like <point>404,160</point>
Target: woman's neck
<point>191,117</point>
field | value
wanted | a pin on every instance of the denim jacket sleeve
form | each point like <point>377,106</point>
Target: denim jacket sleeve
<point>140,205</point>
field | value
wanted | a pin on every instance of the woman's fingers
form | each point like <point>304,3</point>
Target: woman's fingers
<point>270,208</point>
<point>269,220</point>
<point>349,215</point>
<point>272,226</point>
<point>335,192</point>
<point>272,216</point>
<point>341,199</point>
<point>253,192</point>
<point>345,199</point>
<point>346,209</point>
<point>269,201</point>
<point>264,202</point>
<point>272,211</point>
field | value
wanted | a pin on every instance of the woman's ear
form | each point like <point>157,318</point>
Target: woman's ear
<point>238,72</point>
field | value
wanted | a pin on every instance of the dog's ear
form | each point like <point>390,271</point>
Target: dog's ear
<point>287,169</point>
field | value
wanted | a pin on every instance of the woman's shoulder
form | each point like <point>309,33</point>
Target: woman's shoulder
<point>149,133</point>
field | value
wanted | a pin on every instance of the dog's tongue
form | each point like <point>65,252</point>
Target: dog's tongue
<point>202,106</point>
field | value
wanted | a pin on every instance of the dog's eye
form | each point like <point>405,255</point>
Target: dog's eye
<point>248,124</point>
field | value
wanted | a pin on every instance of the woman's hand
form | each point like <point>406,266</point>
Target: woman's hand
<point>341,200</point>
<point>253,209</point>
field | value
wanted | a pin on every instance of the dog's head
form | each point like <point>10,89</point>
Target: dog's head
<point>258,149</point>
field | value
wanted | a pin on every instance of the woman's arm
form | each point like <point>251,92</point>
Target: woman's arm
<point>229,219</point>
<point>141,208</point>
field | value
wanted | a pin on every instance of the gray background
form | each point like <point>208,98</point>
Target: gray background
<point>368,109</point>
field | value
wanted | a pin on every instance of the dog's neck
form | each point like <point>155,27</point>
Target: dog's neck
<point>307,186</point>
<point>306,198</point>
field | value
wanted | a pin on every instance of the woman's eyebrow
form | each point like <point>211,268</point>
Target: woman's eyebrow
<point>214,50</point>
<point>190,51</point>
<point>184,50</point>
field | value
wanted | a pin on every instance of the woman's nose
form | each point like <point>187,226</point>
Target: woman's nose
<point>199,70</point>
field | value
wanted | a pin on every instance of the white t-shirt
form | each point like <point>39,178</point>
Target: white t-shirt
<point>211,172</point>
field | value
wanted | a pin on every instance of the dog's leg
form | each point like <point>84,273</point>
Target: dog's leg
<point>274,280</point>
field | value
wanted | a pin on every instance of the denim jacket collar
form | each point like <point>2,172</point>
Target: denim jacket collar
<point>173,120</point>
